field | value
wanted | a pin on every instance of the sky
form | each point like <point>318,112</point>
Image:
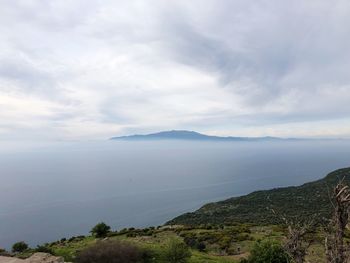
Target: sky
<point>90,69</point>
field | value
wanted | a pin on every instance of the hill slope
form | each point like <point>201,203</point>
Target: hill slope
<point>302,202</point>
<point>189,135</point>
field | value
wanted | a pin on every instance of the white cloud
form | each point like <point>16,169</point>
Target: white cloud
<point>89,69</point>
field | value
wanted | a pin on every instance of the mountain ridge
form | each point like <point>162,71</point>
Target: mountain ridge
<point>192,135</point>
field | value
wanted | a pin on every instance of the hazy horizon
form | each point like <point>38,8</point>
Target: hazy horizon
<point>66,140</point>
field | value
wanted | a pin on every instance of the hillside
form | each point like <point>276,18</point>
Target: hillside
<point>222,245</point>
<point>189,135</point>
<point>310,200</point>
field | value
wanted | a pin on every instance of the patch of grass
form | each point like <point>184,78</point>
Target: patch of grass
<point>223,245</point>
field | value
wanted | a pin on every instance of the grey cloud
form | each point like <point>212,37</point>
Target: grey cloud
<point>274,49</point>
<point>26,75</point>
<point>274,62</point>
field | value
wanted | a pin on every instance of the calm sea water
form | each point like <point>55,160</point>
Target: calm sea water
<point>53,190</point>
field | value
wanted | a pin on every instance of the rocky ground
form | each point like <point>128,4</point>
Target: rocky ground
<point>35,258</point>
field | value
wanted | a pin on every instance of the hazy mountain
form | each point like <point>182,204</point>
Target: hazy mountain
<point>189,135</point>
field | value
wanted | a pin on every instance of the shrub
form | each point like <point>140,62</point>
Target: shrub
<point>113,234</point>
<point>201,246</point>
<point>131,234</point>
<point>19,247</point>
<point>3,252</point>
<point>176,251</point>
<point>268,251</point>
<point>112,252</point>
<point>100,230</point>
<point>225,242</point>
<point>191,241</point>
<point>123,231</point>
<point>71,239</point>
<point>44,249</point>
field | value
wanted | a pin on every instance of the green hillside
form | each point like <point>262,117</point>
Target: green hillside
<point>310,200</point>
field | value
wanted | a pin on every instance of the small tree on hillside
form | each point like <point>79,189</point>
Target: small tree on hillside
<point>100,230</point>
<point>19,247</point>
<point>296,244</point>
<point>267,251</point>
<point>176,251</point>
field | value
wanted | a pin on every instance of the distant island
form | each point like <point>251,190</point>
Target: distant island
<point>191,135</point>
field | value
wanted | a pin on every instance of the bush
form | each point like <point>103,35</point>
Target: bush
<point>112,252</point>
<point>44,249</point>
<point>191,241</point>
<point>71,239</point>
<point>19,247</point>
<point>176,251</point>
<point>113,234</point>
<point>100,230</point>
<point>3,252</point>
<point>268,251</point>
<point>201,246</point>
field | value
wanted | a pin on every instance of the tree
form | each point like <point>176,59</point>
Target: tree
<point>296,244</point>
<point>334,242</point>
<point>111,252</point>
<point>176,251</point>
<point>19,247</point>
<point>268,251</point>
<point>100,230</point>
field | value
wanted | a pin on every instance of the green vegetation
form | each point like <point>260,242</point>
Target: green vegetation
<point>304,202</point>
<point>223,244</point>
<point>100,230</point>
<point>3,252</point>
<point>44,249</point>
<point>176,251</point>
<point>111,252</point>
<point>267,251</point>
<point>19,247</point>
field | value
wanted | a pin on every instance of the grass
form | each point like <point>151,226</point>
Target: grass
<point>223,245</point>
<point>214,240</point>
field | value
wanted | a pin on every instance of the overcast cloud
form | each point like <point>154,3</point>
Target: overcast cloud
<point>94,69</point>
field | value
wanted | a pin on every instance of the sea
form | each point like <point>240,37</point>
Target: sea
<point>52,190</point>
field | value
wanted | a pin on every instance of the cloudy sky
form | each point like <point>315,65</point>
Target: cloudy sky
<point>89,69</point>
